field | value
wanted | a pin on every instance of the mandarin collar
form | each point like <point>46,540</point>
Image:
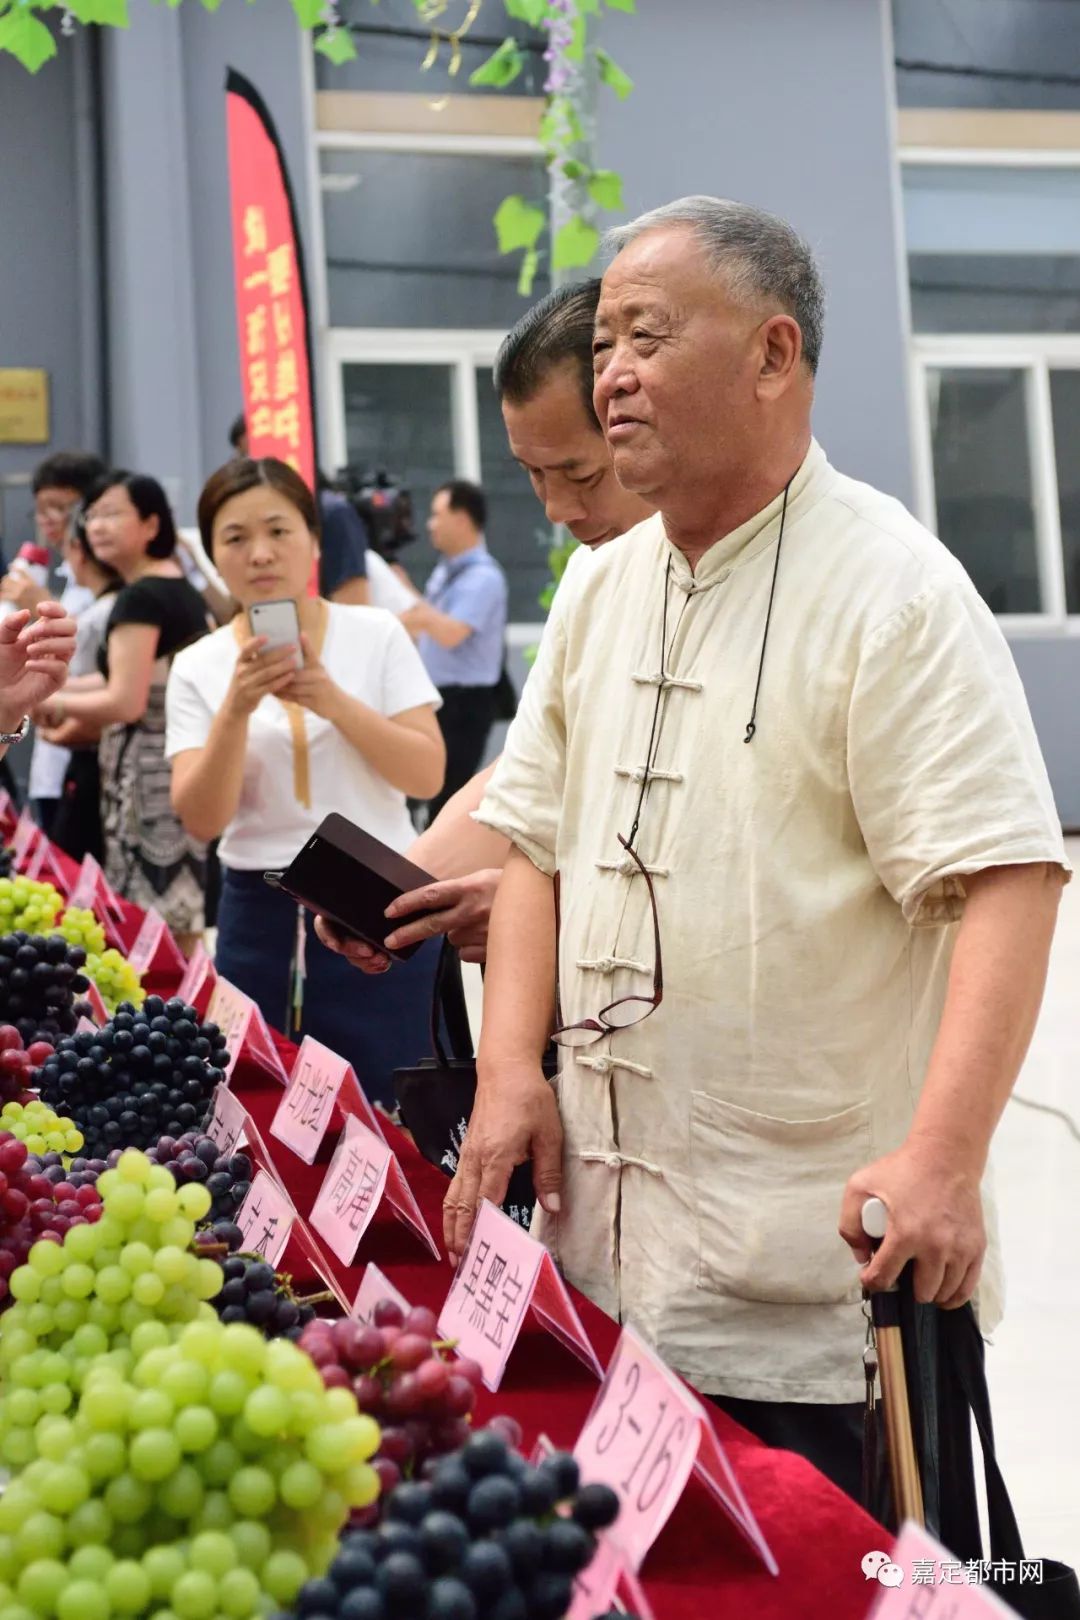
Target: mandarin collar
<point>757,533</point>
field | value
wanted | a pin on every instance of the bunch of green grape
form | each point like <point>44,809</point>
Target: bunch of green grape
<point>115,978</point>
<point>43,1131</point>
<point>28,905</point>
<point>80,927</point>
<point>130,1267</point>
<point>202,1472</point>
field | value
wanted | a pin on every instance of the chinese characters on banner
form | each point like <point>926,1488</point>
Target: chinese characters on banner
<point>245,1029</point>
<point>265,1218</point>
<point>644,1437</point>
<point>271,306</point>
<point>920,1580</point>
<point>155,949</point>
<point>363,1171</point>
<point>503,1272</point>
<point>319,1079</point>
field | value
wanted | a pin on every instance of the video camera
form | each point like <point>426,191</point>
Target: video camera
<point>384,506</point>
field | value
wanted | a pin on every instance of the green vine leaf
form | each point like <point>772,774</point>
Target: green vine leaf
<point>109,13</point>
<point>337,46</point>
<point>527,274</point>
<point>501,68</point>
<point>574,170</point>
<point>575,52</point>
<point>210,5</point>
<point>309,13</point>
<point>612,75</point>
<point>532,12</point>
<point>27,38</point>
<point>605,188</point>
<point>518,224</point>
<point>621,5</point>
<point>589,8</point>
<point>575,245</point>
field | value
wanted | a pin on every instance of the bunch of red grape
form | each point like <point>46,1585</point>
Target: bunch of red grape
<point>403,1377</point>
<point>32,1207</point>
<point>17,1064</point>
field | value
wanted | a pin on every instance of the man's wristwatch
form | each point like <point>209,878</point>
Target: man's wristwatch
<point>9,738</point>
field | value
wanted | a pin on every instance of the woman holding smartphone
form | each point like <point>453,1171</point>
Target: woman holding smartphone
<point>265,740</point>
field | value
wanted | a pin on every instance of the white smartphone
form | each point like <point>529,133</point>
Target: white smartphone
<point>279,622</point>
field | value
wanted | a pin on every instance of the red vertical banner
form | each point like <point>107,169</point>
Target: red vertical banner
<point>271,290</point>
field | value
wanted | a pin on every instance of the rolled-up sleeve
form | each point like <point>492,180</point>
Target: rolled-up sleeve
<point>945,769</point>
<point>524,798</point>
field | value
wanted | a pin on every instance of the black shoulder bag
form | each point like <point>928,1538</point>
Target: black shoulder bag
<point>436,1095</point>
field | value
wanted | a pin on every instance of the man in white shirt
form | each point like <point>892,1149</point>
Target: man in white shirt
<point>775,741</point>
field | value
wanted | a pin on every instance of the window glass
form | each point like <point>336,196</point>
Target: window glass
<point>410,240</point>
<point>392,43</point>
<point>987,53</point>
<point>982,482</point>
<point>1065,401</point>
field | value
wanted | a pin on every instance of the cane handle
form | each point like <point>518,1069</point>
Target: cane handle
<point>875,1219</point>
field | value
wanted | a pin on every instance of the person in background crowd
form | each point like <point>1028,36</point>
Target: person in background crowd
<point>808,867</point>
<point>460,628</point>
<point>34,660</point>
<point>149,858</point>
<point>343,546</point>
<point>262,750</point>
<point>543,377</point>
<point>60,484</point>
<point>77,825</point>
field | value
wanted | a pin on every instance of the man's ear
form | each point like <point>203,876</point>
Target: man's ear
<point>781,354</point>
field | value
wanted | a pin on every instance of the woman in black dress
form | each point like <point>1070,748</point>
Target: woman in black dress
<point>149,859</point>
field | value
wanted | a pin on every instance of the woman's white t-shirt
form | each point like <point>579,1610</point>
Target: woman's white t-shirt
<point>368,653</point>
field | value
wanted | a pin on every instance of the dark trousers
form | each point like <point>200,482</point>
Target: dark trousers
<point>466,717</point>
<point>830,1437</point>
<point>379,1023</point>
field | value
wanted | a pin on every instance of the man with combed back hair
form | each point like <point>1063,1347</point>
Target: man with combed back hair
<point>778,757</point>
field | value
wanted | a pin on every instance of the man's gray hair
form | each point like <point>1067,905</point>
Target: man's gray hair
<point>760,256</point>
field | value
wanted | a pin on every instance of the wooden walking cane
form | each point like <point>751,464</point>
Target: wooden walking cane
<point>899,1439</point>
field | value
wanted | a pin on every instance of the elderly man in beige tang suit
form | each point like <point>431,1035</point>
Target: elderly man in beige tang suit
<point>775,736</point>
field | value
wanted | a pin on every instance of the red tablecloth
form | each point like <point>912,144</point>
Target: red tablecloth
<point>700,1566</point>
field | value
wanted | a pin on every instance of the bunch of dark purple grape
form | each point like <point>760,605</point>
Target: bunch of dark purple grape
<point>40,977</point>
<point>79,1172</point>
<point>486,1538</point>
<point>253,1291</point>
<point>144,1075</point>
<point>195,1157</point>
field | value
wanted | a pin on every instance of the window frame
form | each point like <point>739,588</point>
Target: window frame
<point>1035,356</point>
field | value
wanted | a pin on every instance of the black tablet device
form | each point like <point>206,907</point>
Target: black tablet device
<point>349,877</point>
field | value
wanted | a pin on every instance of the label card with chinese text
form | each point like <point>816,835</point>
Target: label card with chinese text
<point>44,866</point>
<point>502,1273</point>
<point>98,1011</point>
<point>227,1125</point>
<point>197,985</point>
<point>920,1580</point>
<point>92,890</point>
<point>319,1076</point>
<point>265,1218</point>
<point>645,1435</point>
<point>155,949</point>
<point>27,833</point>
<point>85,1027</point>
<point>374,1288</point>
<point>362,1172</point>
<point>245,1029</point>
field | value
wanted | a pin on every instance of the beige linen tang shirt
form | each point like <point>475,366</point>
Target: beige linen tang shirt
<point>808,885</point>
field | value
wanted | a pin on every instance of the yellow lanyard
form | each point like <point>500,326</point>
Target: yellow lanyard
<point>295,711</point>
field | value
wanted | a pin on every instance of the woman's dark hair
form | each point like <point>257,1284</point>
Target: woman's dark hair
<point>240,475</point>
<point>149,500</point>
<point>79,537</point>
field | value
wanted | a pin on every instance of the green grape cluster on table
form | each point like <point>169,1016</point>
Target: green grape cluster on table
<point>81,927</point>
<point>29,905</point>
<point>116,979</point>
<point>40,1128</point>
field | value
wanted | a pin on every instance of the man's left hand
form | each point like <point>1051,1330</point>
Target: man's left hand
<point>34,660</point>
<point>935,1219</point>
